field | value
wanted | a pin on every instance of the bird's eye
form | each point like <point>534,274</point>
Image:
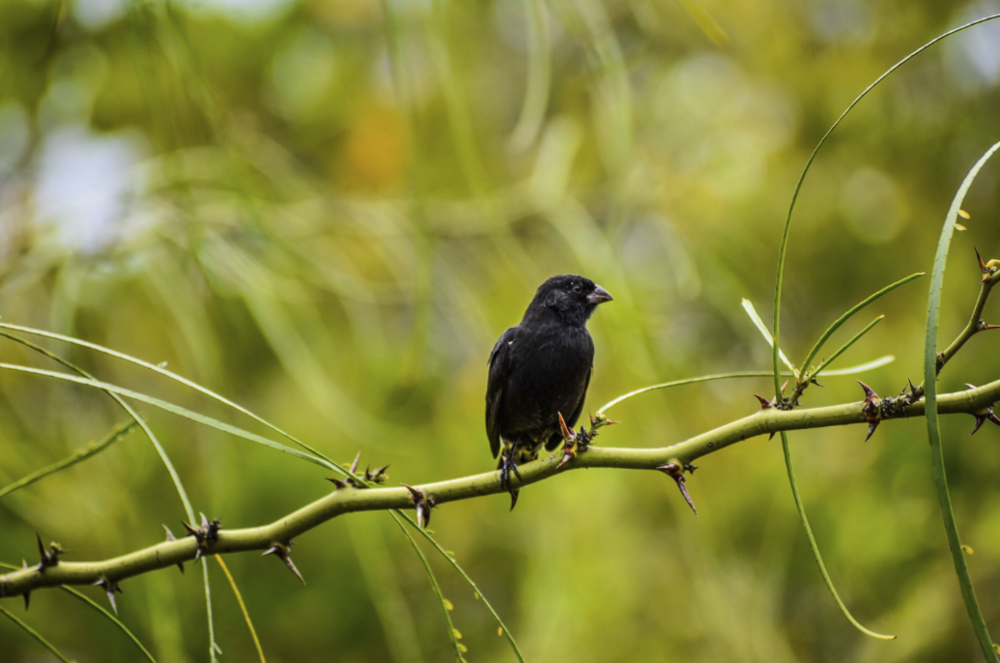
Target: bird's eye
<point>577,288</point>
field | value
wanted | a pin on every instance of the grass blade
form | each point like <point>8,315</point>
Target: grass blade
<point>752,312</point>
<point>434,585</point>
<point>846,316</point>
<point>92,449</point>
<point>35,634</point>
<point>843,348</point>
<point>933,427</point>
<point>243,607</point>
<point>178,410</point>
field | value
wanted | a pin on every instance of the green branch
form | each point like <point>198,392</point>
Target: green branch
<point>349,500</point>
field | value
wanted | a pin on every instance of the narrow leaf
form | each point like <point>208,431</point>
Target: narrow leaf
<point>434,585</point>
<point>35,634</point>
<point>175,409</point>
<point>933,427</point>
<point>843,348</point>
<point>752,312</point>
<point>876,363</point>
<point>783,251</point>
<point>94,448</point>
<point>243,607</point>
<point>847,316</point>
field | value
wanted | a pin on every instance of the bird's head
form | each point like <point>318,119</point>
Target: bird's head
<point>571,297</point>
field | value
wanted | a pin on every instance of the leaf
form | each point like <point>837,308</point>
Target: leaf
<point>92,449</point>
<point>779,281</point>
<point>452,631</point>
<point>243,607</point>
<point>933,426</point>
<point>175,409</point>
<point>752,312</point>
<point>846,316</point>
<point>33,633</point>
<point>845,346</point>
<point>875,363</point>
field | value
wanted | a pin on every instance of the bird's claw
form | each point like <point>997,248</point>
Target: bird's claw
<point>505,483</point>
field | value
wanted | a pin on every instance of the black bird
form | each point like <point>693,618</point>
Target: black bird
<point>539,369</point>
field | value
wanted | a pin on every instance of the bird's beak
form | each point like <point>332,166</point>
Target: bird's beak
<point>599,295</point>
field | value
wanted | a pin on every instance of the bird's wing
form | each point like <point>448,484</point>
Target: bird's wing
<point>583,397</point>
<point>500,362</point>
<point>554,441</point>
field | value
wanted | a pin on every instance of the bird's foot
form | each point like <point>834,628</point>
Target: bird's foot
<point>506,467</point>
<point>578,442</point>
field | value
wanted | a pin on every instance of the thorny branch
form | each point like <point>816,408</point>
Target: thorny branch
<point>350,496</point>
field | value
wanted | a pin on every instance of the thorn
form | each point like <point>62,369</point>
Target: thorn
<point>872,425</point>
<point>982,265</point>
<point>568,455</point>
<point>49,557</point>
<point>970,386</point>
<point>378,476</point>
<point>869,394</point>
<point>337,482</point>
<point>207,534</point>
<point>771,436</point>
<point>283,553</point>
<point>171,537</point>
<point>815,382</point>
<point>568,435</point>
<point>871,407</point>
<point>783,387</point>
<point>513,498</point>
<point>675,472</point>
<point>110,586</point>
<point>980,420</point>
<point>423,504</point>
<point>764,403</point>
<point>27,595</point>
<point>354,465</point>
<point>690,468</point>
<point>913,389</point>
<point>983,326</point>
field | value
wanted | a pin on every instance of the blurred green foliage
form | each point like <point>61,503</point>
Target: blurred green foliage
<point>328,210</point>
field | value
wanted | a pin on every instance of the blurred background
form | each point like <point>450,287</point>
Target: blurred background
<point>328,211</point>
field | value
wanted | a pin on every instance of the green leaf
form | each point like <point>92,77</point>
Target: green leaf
<point>33,633</point>
<point>876,363</point>
<point>175,409</point>
<point>162,371</point>
<point>453,633</point>
<point>933,427</point>
<point>779,281</point>
<point>92,449</point>
<point>846,316</point>
<point>845,346</point>
<point>752,312</point>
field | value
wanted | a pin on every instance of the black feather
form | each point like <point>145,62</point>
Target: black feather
<point>541,368</point>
